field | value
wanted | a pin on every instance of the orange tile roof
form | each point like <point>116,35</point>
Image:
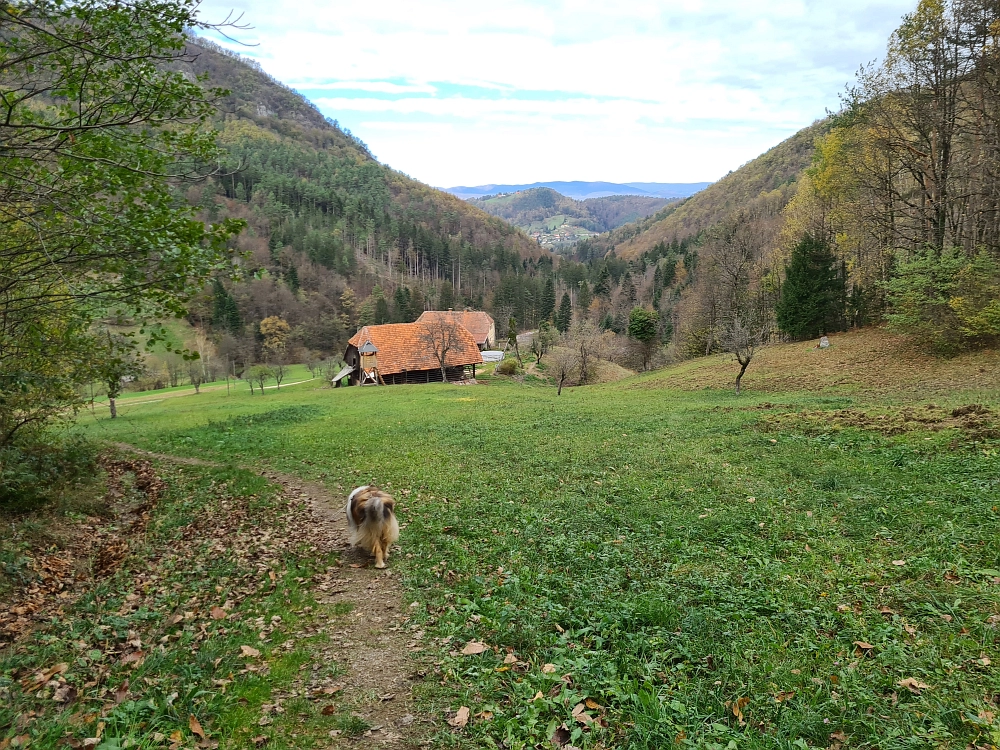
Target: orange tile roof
<point>403,347</point>
<point>477,322</point>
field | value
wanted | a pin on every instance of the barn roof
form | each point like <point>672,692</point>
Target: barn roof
<point>404,347</point>
<point>476,322</point>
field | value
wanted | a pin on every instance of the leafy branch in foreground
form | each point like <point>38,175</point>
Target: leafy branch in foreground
<point>95,129</point>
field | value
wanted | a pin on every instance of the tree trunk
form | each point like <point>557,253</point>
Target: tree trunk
<point>562,379</point>
<point>114,409</point>
<point>444,375</point>
<point>739,378</point>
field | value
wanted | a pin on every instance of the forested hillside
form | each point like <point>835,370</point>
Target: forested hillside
<point>556,220</point>
<point>888,211</point>
<point>334,238</point>
<point>772,178</point>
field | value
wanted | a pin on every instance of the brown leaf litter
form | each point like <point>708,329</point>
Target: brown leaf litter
<point>59,575</point>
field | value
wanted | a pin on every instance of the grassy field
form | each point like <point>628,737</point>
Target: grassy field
<point>707,571</point>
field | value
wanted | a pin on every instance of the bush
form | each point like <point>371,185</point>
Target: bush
<point>37,472</point>
<point>507,367</point>
<point>948,301</point>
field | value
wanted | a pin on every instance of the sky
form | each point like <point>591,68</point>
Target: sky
<point>470,93</point>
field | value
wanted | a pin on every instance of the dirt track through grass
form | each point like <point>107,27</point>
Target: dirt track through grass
<point>372,641</point>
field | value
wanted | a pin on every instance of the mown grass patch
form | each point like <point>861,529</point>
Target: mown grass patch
<point>702,578</point>
<point>201,637</point>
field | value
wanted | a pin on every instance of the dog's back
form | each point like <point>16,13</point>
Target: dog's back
<point>371,520</point>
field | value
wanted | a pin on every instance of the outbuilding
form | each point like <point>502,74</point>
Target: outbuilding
<point>397,353</point>
<point>479,324</point>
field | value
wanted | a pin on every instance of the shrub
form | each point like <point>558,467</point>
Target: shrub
<point>36,472</point>
<point>507,367</point>
<point>947,301</point>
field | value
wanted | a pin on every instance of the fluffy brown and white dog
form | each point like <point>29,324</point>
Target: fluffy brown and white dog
<point>371,521</point>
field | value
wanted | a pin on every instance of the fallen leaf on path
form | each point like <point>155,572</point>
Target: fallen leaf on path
<point>899,562</point>
<point>484,715</point>
<point>474,647</point>
<point>738,707</point>
<point>329,710</point>
<point>40,678</point>
<point>538,696</point>
<point>548,668</point>
<point>195,726</point>
<point>561,736</point>
<point>863,646</point>
<point>64,694</point>
<point>913,685</point>
<point>460,719</point>
<point>510,659</point>
<point>218,613</point>
<point>592,704</point>
<point>250,651</point>
<point>784,695</point>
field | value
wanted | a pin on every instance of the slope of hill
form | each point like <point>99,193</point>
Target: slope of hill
<point>555,220</point>
<point>773,174</point>
<point>335,239</point>
<point>868,362</point>
<point>583,190</point>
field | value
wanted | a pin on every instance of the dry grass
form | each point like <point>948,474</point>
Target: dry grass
<point>871,361</point>
<point>601,370</point>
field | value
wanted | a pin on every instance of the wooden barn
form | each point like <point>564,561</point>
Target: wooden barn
<point>398,353</point>
<point>479,324</point>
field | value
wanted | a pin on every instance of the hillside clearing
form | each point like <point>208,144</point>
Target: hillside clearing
<point>865,362</point>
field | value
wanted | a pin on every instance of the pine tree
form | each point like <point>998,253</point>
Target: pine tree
<point>548,301</point>
<point>446,298</point>
<point>232,319</point>
<point>602,287</point>
<point>813,297</point>
<point>584,297</point>
<point>292,277</point>
<point>628,294</point>
<point>565,315</point>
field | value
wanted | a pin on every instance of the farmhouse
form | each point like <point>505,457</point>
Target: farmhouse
<point>398,353</point>
<point>476,322</point>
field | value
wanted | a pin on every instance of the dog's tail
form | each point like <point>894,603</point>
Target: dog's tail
<point>376,510</point>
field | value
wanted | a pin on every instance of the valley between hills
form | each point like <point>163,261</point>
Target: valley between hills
<point>697,465</point>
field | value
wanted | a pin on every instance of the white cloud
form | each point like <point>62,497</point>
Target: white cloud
<point>568,89</point>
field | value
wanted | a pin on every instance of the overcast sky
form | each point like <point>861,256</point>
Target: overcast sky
<point>468,93</point>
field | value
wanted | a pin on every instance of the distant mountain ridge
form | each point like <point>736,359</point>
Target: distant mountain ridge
<point>583,190</point>
<point>556,221</point>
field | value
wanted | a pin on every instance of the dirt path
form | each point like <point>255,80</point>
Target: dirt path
<point>374,642</point>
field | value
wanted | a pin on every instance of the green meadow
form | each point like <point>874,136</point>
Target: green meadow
<point>706,574</point>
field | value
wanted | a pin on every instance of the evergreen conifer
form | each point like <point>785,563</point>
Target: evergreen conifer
<point>814,295</point>
<point>565,315</point>
<point>548,301</point>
